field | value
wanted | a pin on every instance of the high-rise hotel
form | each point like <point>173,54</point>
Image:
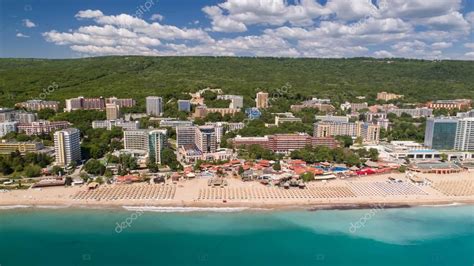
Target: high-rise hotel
<point>67,146</point>
<point>154,105</point>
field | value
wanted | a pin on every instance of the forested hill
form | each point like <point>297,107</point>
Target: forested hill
<point>137,77</point>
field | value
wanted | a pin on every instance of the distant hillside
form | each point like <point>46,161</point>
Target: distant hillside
<point>137,77</point>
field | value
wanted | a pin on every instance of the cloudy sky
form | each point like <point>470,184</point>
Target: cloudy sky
<point>427,29</point>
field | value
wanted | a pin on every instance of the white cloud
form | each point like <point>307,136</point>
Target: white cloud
<point>86,14</point>
<point>21,35</point>
<point>469,45</point>
<point>441,45</point>
<point>300,28</point>
<point>157,17</point>
<point>383,54</point>
<point>28,23</point>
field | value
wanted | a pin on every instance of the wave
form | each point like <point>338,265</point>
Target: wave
<point>188,209</point>
<point>11,207</point>
<point>444,205</point>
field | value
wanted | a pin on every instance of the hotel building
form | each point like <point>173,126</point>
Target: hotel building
<point>112,111</point>
<point>370,133</point>
<point>42,127</point>
<point>458,104</point>
<point>109,124</point>
<point>386,96</point>
<point>154,106</point>
<point>236,101</point>
<point>464,140</point>
<point>285,142</point>
<point>22,147</point>
<point>262,100</point>
<point>184,105</point>
<point>81,103</point>
<point>440,133</point>
<point>7,127</point>
<point>67,146</point>
<point>37,105</point>
<point>127,102</point>
<point>416,113</point>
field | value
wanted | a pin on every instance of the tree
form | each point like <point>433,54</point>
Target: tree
<point>94,167</point>
<point>444,157</point>
<point>307,176</point>
<point>345,140</point>
<point>373,154</point>
<point>241,170</point>
<point>46,113</point>
<point>68,181</point>
<point>152,166</point>
<point>32,170</point>
<point>277,166</point>
<point>56,170</point>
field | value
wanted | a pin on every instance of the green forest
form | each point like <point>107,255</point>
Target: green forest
<point>170,77</point>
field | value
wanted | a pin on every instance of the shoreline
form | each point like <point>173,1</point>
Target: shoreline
<point>236,207</point>
<point>361,193</point>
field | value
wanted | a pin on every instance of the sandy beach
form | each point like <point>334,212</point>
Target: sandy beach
<point>357,192</point>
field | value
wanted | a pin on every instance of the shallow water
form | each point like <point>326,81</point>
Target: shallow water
<point>157,236</point>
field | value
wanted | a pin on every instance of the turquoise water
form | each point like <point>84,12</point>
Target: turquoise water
<point>415,236</point>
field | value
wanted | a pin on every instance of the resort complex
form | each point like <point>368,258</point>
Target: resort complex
<point>237,154</point>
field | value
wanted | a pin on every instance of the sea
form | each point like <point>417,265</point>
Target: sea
<point>379,236</point>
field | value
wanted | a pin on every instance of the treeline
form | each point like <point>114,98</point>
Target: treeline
<point>287,78</point>
<point>29,165</point>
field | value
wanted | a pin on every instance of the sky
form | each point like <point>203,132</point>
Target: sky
<point>422,29</point>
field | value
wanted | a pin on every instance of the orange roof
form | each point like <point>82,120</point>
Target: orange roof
<point>297,162</point>
<point>127,178</point>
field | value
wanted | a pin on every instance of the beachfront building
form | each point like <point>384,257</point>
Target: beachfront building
<point>109,124</point>
<point>370,133</point>
<point>285,142</point>
<point>7,127</point>
<point>236,101</point>
<point>185,135</point>
<point>458,104</point>
<point>7,147</point>
<point>261,100</point>
<point>464,139</point>
<point>67,146</point>
<point>157,141</point>
<point>42,127</point>
<point>154,106</point>
<point>184,106</point>
<point>112,111</point>
<point>38,105</point>
<point>440,133</point>
<point>386,96</point>
<point>206,139</point>
<point>152,141</point>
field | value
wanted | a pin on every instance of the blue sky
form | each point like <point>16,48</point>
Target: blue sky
<point>428,29</point>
